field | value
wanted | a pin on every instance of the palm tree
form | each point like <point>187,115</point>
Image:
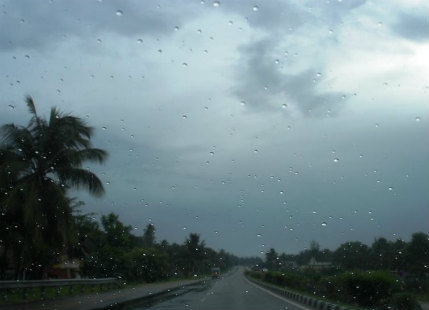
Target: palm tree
<point>38,164</point>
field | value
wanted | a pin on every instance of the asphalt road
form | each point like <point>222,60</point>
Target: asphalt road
<point>230,292</point>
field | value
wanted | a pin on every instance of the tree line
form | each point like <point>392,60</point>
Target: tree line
<point>40,223</point>
<point>403,257</point>
<point>112,250</point>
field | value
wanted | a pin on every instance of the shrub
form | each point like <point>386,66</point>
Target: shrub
<point>404,301</point>
<point>368,289</point>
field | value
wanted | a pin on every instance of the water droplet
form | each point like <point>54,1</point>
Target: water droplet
<point>184,116</point>
<point>418,119</point>
<point>104,128</point>
<point>336,160</point>
<point>176,28</point>
<point>216,4</point>
<point>255,151</point>
<point>390,188</point>
<point>185,228</point>
<point>324,224</point>
<point>184,64</point>
<point>255,8</point>
<point>11,106</point>
<point>314,212</point>
<point>108,182</point>
<point>282,192</point>
<point>139,41</point>
<point>259,235</point>
<point>284,105</point>
<point>211,153</point>
<point>119,13</point>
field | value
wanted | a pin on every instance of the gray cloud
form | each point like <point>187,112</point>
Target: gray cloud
<point>35,25</point>
<point>412,26</point>
<point>264,87</point>
<point>262,83</point>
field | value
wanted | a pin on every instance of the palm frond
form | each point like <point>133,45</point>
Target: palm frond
<point>90,154</point>
<point>81,178</point>
<point>31,106</point>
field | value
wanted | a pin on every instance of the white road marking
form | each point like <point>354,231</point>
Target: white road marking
<point>279,297</point>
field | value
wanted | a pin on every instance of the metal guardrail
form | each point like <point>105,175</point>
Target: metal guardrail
<point>10,286</point>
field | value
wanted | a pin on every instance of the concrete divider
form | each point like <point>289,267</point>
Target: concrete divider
<point>303,299</point>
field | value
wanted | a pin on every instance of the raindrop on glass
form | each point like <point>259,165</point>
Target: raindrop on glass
<point>216,4</point>
<point>255,8</point>
<point>119,13</point>
<point>324,224</point>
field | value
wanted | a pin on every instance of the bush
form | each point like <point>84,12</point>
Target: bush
<point>404,301</point>
<point>368,289</point>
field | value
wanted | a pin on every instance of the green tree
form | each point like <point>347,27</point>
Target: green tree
<point>194,254</point>
<point>39,163</point>
<point>149,236</point>
<point>417,254</point>
<point>352,255</point>
<point>118,235</point>
<point>272,260</point>
<point>381,254</point>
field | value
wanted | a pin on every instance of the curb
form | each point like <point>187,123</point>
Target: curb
<point>302,299</point>
<point>126,303</point>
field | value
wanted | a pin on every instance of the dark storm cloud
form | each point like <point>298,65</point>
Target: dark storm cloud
<point>263,86</point>
<point>412,26</point>
<point>32,24</point>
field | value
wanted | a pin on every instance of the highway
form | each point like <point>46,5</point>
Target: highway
<point>232,291</point>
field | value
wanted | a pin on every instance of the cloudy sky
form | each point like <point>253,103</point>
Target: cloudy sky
<point>257,124</point>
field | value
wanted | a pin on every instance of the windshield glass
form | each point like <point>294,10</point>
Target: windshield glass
<point>152,140</point>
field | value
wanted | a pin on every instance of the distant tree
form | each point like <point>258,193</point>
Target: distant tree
<point>149,236</point>
<point>352,255</point>
<point>417,254</point>
<point>38,164</point>
<point>118,235</point>
<point>381,254</point>
<point>272,260</point>
<point>315,250</point>
<point>194,253</point>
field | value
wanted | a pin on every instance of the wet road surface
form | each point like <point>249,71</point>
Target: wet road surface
<point>232,291</point>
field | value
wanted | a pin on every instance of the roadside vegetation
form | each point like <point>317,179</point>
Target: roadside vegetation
<point>385,275</point>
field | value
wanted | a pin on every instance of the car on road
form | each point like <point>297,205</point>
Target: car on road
<point>215,273</point>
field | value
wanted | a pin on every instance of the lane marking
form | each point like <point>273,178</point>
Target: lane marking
<point>279,297</point>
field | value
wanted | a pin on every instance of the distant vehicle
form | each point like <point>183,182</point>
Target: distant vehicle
<point>215,273</point>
